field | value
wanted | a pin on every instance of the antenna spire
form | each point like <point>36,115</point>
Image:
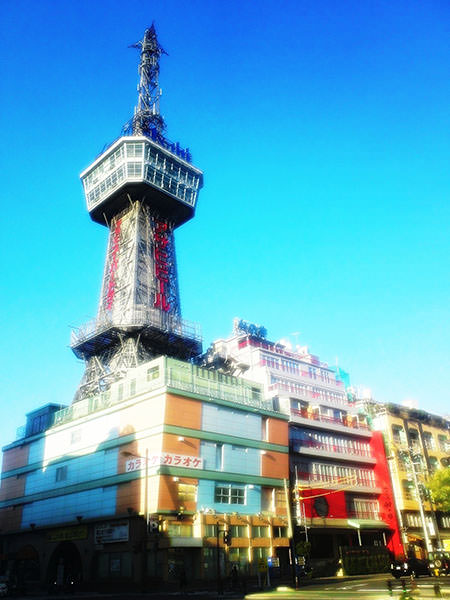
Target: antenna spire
<point>146,117</point>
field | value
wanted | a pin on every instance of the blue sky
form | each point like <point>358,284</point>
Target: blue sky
<point>323,132</point>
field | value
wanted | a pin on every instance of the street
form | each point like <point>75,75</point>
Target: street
<point>360,587</point>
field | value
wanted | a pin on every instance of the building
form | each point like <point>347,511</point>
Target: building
<point>418,444</point>
<point>337,464</point>
<point>191,452</point>
<point>159,469</point>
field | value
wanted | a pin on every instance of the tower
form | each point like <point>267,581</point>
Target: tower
<point>141,187</point>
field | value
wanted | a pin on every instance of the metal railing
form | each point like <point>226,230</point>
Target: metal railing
<point>353,480</point>
<point>364,514</point>
<point>332,448</point>
<point>136,318</point>
<point>348,421</point>
<point>238,394</point>
<point>173,378</point>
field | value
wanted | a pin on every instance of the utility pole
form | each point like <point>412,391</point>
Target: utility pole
<point>290,535</point>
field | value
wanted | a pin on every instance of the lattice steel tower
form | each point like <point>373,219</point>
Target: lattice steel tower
<point>142,187</point>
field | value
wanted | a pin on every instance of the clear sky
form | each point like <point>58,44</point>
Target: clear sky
<point>322,128</point>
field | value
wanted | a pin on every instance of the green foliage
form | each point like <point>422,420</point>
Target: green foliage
<point>439,485</point>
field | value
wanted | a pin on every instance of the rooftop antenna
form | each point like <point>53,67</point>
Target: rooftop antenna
<point>147,120</point>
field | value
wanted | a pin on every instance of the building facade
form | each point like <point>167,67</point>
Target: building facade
<point>190,452</point>
<point>418,444</point>
<point>338,465</point>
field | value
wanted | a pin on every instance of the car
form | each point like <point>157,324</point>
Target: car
<point>439,563</point>
<point>410,566</point>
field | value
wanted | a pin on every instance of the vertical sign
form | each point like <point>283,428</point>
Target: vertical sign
<point>161,241</point>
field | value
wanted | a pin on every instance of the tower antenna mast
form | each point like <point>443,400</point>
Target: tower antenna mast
<point>146,114</point>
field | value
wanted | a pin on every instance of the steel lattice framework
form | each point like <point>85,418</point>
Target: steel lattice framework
<point>147,116</point>
<point>141,187</point>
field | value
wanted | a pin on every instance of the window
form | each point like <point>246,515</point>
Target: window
<point>132,387</point>
<point>61,473</point>
<point>229,494</point>
<point>210,530</point>
<point>280,499</point>
<point>187,492</point>
<point>434,464</point>
<point>408,490</point>
<point>179,529</point>
<point>260,531</point>
<point>442,443</point>
<point>428,440</point>
<point>152,373</point>
<point>260,553</point>
<point>362,508</point>
<point>238,531</point>
<point>279,531</point>
<point>38,424</point>
<point>445,521</point>
<point>398,434</point>
<point>413,520</point>
<point>120,392</point>
<point>219,457</point>
<point>414,439</point>
<point>134,169</point>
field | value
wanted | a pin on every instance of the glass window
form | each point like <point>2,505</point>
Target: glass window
<point>152,373</point>
<point>179,529</point>
<point>238,531</point>
<point>210,530</point>
<point>428,440</point>
<point>279,531</point>
<point>219,457</point>
<point>229,494</point>
<point>61,473</point>
<point>260,531</point>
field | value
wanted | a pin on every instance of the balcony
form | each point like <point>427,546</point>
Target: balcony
<point>346,424</point>
<point>351,483</point>
<point>293,390</point>
<point>316,448</point>
<point>364,515</point>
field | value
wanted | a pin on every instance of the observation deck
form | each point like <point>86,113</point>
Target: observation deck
<point>137,167</point>
<point>167,333</point>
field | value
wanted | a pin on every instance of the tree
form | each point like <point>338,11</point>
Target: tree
<point>439,485</point>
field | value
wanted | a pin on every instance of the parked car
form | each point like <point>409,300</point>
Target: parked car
<point>439,563</point>
<point>410,566</point>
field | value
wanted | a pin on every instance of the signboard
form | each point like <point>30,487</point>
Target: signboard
<point>241,326</point>
<point>164,459</point>
<point>446,545</point>
<point>68,533</point>
<point>109,533</point>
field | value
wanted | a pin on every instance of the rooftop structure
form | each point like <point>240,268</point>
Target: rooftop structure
<point>141,187</point>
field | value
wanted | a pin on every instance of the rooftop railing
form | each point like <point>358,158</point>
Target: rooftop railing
<point>178,379</point>
<point>238,394</point>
